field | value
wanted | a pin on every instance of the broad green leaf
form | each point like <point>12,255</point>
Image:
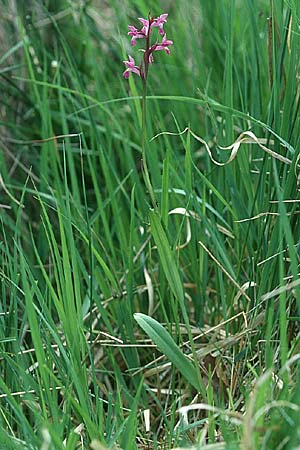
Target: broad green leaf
<point>168,347</point>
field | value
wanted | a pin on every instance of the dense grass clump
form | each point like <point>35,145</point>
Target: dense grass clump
<point>161,321</point>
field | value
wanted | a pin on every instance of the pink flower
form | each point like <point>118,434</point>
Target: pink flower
<point>159,22</point>
<point>163,45</point>
<point>145,23</point>
<point>131,67</point>
<point>136,34</point>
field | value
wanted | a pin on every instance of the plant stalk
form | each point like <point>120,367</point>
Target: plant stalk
<point>144,137</point>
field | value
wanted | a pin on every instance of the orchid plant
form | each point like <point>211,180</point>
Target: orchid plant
<point>146,33</point>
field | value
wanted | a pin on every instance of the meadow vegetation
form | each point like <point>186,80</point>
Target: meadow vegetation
<point>132,319</point>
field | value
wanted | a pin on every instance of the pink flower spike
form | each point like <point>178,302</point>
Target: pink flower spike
<point>144,32</point>
<point>131,67</point>
<point>159,22</point>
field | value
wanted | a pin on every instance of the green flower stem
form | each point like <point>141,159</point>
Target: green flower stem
<point>144,157</point>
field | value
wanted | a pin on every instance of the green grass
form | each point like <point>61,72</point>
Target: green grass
<point>113,312</point>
